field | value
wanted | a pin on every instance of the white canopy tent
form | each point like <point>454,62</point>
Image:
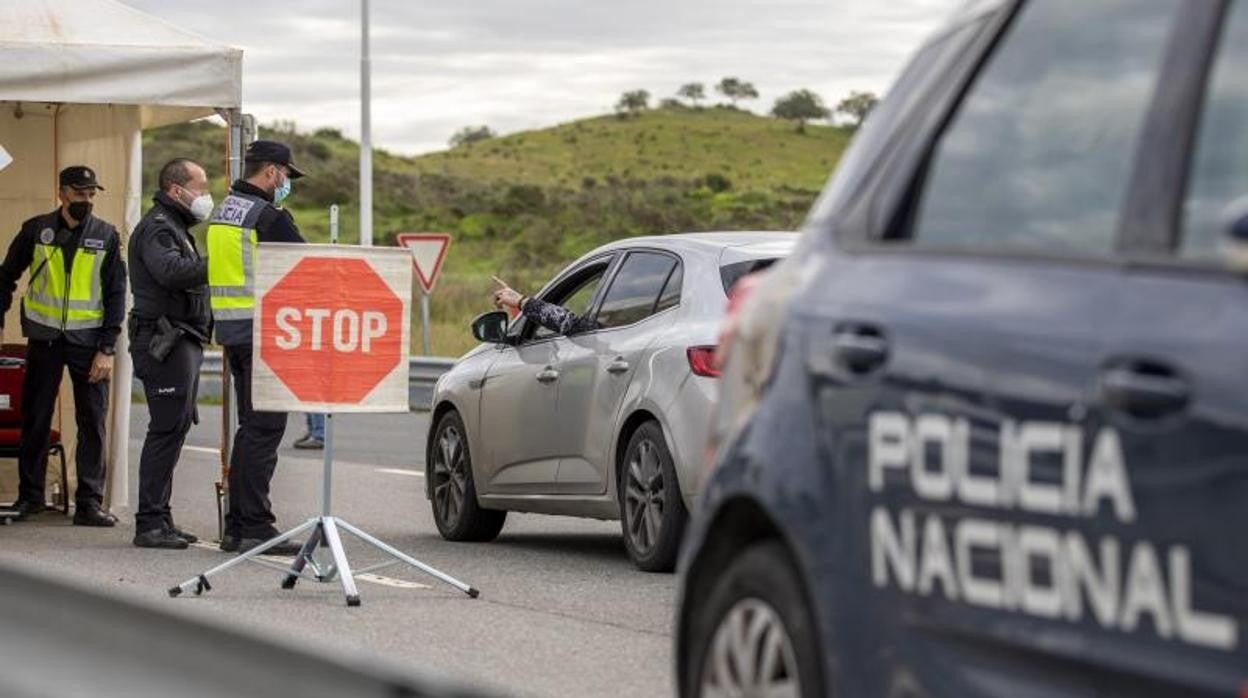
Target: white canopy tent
<point>79,81</point>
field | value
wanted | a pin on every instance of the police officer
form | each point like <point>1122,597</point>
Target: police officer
<point>169,325</point>
<point>71,315</point>
<point>247,217</point>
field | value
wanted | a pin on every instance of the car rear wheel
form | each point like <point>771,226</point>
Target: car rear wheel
<point>754,635</point>
<point>652,512</point>
<point>448,466</point>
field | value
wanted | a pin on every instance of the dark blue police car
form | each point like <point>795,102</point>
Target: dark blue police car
<point>985,433</point>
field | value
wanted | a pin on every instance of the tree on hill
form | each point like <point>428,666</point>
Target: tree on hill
<point>632,103</point>
<point>857,105</point>
<point>735,90</point>
<point>471,134</point>
<point>694,92</point>
<point>800,106</point>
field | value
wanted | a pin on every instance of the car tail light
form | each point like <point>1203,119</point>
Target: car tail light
<point>702,361</point>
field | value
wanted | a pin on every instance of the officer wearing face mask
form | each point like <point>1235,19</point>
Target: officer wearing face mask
<point>71,315</point>
<point>168,326</point>
<point>247,217</point>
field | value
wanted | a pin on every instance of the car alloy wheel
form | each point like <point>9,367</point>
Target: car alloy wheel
<point>449,478</point>
<point>751,655</point>
<point>645,496</point>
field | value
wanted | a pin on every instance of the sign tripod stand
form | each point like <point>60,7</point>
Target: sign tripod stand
<point>323,530</point>
<point>323,533</point>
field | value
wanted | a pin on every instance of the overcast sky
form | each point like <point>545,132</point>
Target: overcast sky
<point>522,64</point>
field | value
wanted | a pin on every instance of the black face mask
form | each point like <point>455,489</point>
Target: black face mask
<point>79,210</point>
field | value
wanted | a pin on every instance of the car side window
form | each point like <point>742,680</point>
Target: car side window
<point>670,297</point>
<point>1219,173</point>
<point>576,294</point>
<point>634,292</point>
<point>1039,154</point>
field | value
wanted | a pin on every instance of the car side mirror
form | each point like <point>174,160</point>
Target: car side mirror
<point>491,327</point>
<point>1234,221</point>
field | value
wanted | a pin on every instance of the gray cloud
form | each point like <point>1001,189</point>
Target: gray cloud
<point>522,64</point>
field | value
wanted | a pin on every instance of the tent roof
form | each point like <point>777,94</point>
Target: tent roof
<point>104,52</point>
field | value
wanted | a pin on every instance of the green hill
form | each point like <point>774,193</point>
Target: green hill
<point>523,205</point>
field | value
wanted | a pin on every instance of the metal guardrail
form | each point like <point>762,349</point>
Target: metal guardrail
<point>423,375</point>
<point>68,640</point>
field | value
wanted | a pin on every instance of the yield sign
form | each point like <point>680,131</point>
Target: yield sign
<point>428,252</point>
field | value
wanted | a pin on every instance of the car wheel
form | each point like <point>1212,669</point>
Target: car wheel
<point>448,465</point>
<point>652,512</point>
<point>754,635</point>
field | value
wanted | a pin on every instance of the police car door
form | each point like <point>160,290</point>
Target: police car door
<point>1004,524</point>
<point>1176,381</point>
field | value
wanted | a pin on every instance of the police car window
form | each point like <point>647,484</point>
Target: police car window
<point>1219,175</point>
<point>635,289</point>
<point>1039,154</point>
<point>577,295</point>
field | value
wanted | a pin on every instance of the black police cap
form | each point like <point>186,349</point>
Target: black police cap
<point>80,177</point>
<point>274,152</point>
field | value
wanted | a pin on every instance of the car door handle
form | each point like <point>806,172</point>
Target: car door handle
<point>547,375</point>
<point>862,349</point>
<point>1144,389</point>
<point>619,365</point>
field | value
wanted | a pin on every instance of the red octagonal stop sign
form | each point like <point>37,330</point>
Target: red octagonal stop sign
<point>331,347</point>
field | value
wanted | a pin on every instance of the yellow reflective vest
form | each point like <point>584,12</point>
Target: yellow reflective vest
<point>232,256</point>
<point>73,300</point>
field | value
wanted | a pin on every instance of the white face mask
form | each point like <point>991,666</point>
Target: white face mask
<point>201,207</point>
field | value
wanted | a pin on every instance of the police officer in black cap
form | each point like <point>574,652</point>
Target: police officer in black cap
<point>248,216</point>
<point>169,325</point>
<point>71,315</point>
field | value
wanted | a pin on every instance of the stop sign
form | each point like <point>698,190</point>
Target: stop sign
<point>331,329</point>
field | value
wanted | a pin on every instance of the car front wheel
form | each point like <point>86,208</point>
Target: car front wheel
<point>652,512</point>
<point>754,635</point>
<point>448,466</point>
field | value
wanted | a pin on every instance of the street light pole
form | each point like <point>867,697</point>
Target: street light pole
<point>366,146</point>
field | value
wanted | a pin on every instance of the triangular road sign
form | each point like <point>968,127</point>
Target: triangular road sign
<point>428,252</point>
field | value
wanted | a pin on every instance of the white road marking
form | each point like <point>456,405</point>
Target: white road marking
<point>366,577</point>
<point>400,471</point>
<point>202,449</point>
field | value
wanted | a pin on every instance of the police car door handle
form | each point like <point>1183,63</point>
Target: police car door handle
<point>547,375</point>
<point>618,365</point>
<point>861,348</point>
<point>1144,390</point>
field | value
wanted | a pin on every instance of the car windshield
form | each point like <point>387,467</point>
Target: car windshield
<point>730,274</point>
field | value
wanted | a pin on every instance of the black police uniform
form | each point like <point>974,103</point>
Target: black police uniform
<point>50,351</point>
<point>169,280</point>
<point>253,459</point>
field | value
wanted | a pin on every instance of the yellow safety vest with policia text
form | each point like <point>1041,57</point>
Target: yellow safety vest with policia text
<point>232,256</point>
<point>67,300</point>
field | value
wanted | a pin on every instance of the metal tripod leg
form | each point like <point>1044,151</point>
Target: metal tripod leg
<point>199,584</point>
<point>400,556</point>
<point>334,543</point>
<point>309,547</point>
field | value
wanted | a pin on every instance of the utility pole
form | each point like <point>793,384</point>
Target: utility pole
<point>366,146</point>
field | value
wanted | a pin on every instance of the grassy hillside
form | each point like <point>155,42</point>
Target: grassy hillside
<point>522,206</point>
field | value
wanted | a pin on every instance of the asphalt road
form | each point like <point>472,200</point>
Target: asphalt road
<point>562,611</point>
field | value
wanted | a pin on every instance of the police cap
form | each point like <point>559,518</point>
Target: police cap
<point>274,152</point>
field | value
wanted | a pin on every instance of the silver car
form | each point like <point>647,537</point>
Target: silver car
<point>609,423</point>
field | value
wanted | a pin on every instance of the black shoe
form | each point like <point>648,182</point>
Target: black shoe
<point>95,517</point>
<point>160,538</point>
<point>26,510</point>
<point>229,544</point>
<point>290,547</point>
<point>185,535</point>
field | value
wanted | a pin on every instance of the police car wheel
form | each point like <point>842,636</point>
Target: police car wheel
<point>652,512</point>
<point>754,634</point>
<point>448,467</point>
